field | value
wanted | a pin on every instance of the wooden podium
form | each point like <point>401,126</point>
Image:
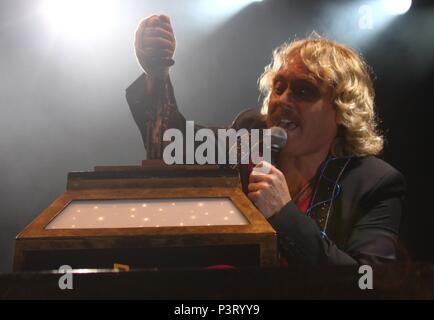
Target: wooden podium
<point>149,216</point>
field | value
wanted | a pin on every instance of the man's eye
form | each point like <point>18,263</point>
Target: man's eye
<point>279,87</point>
<point>305,90</point>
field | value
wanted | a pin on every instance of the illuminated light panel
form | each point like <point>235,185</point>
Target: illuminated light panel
<point>81,214</point>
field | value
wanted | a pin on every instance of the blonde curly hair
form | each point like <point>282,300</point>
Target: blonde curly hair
<point>353,94</point>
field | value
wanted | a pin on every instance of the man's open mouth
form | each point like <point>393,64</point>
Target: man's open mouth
<point>288,124</point>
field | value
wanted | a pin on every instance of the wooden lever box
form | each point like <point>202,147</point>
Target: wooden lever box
<point>149,216</point>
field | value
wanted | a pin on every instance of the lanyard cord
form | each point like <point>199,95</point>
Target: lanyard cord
<point>336,189</point>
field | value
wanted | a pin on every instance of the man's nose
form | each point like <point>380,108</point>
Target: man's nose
<point>287,98</point>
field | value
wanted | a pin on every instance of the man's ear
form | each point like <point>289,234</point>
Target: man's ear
<point>338,118</point>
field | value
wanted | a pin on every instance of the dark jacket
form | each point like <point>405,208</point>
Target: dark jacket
<point>356,208</point>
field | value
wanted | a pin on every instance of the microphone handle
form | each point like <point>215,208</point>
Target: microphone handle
<point>275,155</point>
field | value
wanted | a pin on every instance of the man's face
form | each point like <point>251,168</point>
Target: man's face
<point>306,109</point>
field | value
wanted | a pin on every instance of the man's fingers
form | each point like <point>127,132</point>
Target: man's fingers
<point>164,18</point>
<point>254,196</point>
<point>166,26</point>
<point>263,167</point>
<point>158,33</point>
<point>257,186</point>
<point>259,177</point>
<point>141,26</point>
<point>138,39</point>
<point>154,54</point>
<point>157,43</point>
<point>153,21</point>
<point>266,169</point>
<point>165,23</point>
<point>154,26</point>
<point>159,21</point>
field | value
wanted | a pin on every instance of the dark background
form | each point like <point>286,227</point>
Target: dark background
<point>63,108</point>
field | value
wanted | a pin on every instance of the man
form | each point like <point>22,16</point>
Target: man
<point>328,197</point>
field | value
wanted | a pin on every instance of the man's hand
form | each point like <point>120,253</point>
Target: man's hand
<point>155,45</point>
<point>268,191</point>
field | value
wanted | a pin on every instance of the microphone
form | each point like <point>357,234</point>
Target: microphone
<point>278,141</point>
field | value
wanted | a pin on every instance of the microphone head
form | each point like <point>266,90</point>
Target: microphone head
<point>278,137</point>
